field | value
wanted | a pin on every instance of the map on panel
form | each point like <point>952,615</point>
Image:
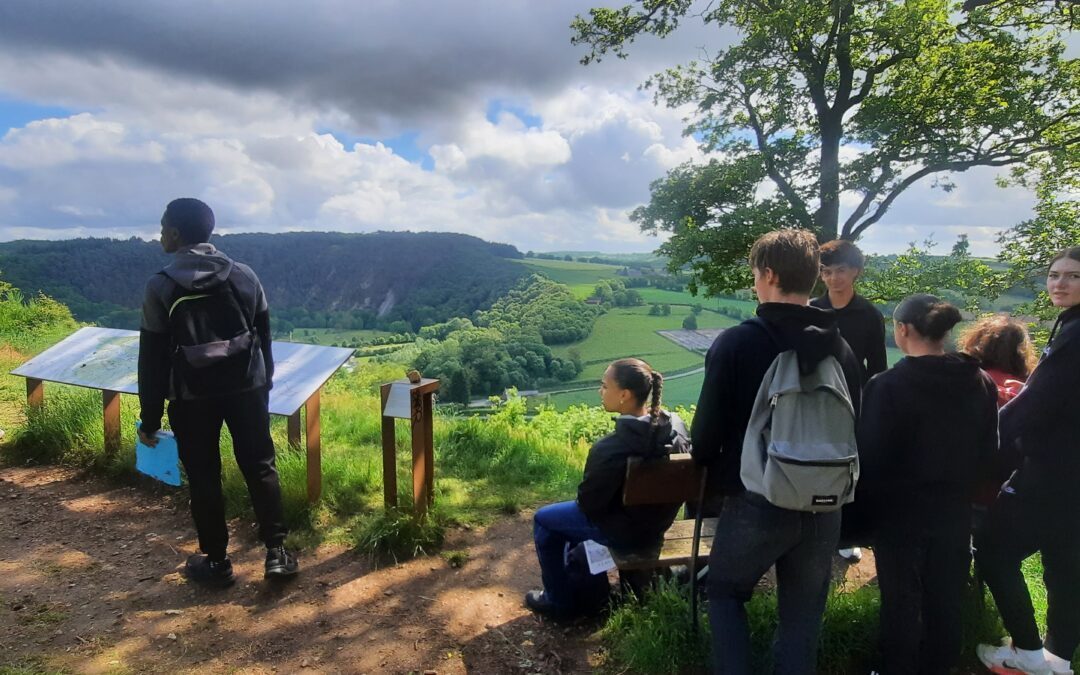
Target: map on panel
<point>108,358</point>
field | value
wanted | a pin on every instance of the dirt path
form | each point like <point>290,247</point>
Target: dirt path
<point>89,582</point>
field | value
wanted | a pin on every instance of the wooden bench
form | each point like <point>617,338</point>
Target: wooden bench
<point>675,480</point>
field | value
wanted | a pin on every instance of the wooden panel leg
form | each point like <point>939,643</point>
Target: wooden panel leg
<point>294,429</point>
<point>419,457</point>
<point>35,392</point>
<point>314,449</point>
<point>429,448</point>
<point>110,406</point>
<point>389,455</point>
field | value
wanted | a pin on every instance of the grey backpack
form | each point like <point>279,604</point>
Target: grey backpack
<point>799,451</point>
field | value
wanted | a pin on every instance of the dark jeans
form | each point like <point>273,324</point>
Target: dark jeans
<point>556,529</point>
<point>922,567</point>
<point>197,425</point>
<point>751,536</point>
<point>1014,531</point>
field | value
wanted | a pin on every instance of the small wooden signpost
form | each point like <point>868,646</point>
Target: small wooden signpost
<point>413,401</point>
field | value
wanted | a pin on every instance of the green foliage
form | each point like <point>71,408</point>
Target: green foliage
<point>1027,248</point>
<point>614,293</point>
<point>541,306</point>
<point>957,277</point>
<point>690,322</point>
<point>397,281</point>
<point>23,319</point>
<point>919,94</point>
<point>508,346</point>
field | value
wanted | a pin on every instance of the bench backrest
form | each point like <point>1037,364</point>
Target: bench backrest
<point>674,480</point>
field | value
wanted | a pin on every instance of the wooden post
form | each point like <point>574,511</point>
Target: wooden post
<point>389,454</point>
<point>314,449</point>
<point>420,481</point>
<point>110,407</point>
<point>294,429</point>
<point>35,392</point>
<point>429,446</point>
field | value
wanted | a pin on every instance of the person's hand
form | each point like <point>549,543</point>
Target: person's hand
<point>149,440</point>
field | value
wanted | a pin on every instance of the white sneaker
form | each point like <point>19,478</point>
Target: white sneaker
<point>1005,659</point>
<point>1058,665</point>
<point>852,554</point>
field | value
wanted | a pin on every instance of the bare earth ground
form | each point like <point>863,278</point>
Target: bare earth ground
<point>90,583</point>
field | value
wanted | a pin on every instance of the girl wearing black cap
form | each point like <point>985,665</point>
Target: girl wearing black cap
<point>1038,509</point>
<point>927,426</point>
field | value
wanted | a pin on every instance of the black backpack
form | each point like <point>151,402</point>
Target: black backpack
<point>215,349</point>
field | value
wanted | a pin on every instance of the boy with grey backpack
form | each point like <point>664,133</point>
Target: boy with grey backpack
<point>775,425</point>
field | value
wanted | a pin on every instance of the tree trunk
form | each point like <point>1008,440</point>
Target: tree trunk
<point>827,217</point>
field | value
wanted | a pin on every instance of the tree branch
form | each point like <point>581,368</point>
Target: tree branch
<point>782,183</point>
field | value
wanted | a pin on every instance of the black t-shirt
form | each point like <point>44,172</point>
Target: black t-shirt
<point>863,328</point>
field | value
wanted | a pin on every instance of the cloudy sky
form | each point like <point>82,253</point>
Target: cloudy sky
<point>471,117</point>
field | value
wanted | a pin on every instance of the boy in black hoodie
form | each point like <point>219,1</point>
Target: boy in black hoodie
<point>751,534</point>
<point>928,429</point>
<point>202,273</point>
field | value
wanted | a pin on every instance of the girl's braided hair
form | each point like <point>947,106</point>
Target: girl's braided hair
<point>643,382</point>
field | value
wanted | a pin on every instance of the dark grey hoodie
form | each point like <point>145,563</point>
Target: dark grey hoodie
<point>196,268</point>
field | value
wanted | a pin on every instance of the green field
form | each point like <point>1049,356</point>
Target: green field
<point>630,331</point>
<point>580,277</point>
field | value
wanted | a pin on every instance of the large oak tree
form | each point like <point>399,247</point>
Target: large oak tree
<point>860,99</point>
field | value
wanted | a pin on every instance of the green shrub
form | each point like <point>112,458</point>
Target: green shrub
<point>394,535</point>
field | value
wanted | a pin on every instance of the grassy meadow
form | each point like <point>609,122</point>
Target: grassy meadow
<point>579,276</point>
<point>630,331</point>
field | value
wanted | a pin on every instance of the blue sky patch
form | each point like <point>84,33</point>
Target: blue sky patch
<point>15,114</point>
<point>497,106</point>
<point>404,145</point>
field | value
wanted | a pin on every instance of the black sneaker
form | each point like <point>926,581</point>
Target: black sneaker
<point>280,564</point>
<point>216,573</point>
<point>539,602</point>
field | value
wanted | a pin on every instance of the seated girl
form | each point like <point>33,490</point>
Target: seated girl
<point>631,388</point>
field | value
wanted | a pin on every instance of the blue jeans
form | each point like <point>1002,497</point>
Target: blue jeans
<point>751,536</point>
<point>556,529</point>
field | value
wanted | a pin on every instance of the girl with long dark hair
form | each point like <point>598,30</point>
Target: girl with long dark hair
<point>1038,509</point>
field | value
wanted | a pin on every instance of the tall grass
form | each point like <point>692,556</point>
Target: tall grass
<point>653,635</point>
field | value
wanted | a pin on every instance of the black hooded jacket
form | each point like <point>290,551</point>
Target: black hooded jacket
<point>600,492</point>
<point>734,367</point>
<point>863,328</point>
<point>197,268</point>
<point>1042,424</point>
<point>927,434</point>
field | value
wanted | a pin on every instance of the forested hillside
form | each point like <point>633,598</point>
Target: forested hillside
<point>394,280</point>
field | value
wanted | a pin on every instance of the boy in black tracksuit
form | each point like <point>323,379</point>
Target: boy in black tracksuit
<point>928,428</point>
<point>751,534</point>
<point>198,271</point>
<point>860,323</point>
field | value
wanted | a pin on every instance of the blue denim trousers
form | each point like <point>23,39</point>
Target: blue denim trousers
<point>556,529</point>
<point>752,535</point>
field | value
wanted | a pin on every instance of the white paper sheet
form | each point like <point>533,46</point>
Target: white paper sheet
<point>599,557</point>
